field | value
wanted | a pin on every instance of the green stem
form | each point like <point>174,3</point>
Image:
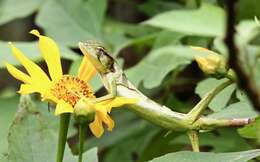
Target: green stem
<point>194,139</point>
<point>81,140</point>
<point>63,130</point>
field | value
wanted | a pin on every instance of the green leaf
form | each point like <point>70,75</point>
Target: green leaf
<point>241,96</point>
<point>30,49</point>
<point>252,130</point>
<point>208,20</point>
<point>90,155</point>
<point>166,38</point>
<point>248,9</point>
<point>222,140</point>
<point>153,7</point>
<point>7,111</point>
<point>132,145</point>
<point>120,35</point>
<point>237,110</point>
<point>153,68</point>
<point>246,32</point>
<point>160,145</point>
<point>72,21</point>
<point>3,158</point>
<point>220,100</point>
<point>187,156</point>
<point>12,9</point>
<point>32,139</point>
<point>257,72</point>
<point>220,46</point>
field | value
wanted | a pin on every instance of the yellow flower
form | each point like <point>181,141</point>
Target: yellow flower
<point>64,90</point>
<point>212,63</point>
<point>101,109</point>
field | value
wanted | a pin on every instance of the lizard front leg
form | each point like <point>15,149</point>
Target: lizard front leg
<point>112,91</point>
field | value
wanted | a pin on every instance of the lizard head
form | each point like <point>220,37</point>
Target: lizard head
<point>97,55</point>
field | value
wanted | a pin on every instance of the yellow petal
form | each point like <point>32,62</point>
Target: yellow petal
<point>200,49</point>
<point>201,61</point>
<point>86,70</point>
<point>104,117</point>
<point>206,65</point>
<point>110,123</point>
<point>63,107</point>
<point>30,86</point>
<point>49,97</point>
<point>19,75</point>
<point>27,89</point>
<point>36,73</point>
<point>96,127</point>
<point>51,55</point>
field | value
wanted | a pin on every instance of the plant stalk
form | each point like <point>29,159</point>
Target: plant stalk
<point>194,139</point>
<point>63,130</point>
<point>81,141</point>
<point>245,81</point>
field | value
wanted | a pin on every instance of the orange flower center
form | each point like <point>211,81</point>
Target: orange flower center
<point>71,89</point>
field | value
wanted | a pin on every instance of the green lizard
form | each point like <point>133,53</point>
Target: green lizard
<point>117,84</point>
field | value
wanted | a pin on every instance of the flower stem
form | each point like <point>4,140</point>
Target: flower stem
<point>194,139</point>
<point>81,140</point>
<point>63,130</point>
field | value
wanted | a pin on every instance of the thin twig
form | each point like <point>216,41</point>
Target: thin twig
<point>245,82</point>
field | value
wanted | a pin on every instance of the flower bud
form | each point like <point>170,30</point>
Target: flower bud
<point>84,111</point>
<point>212,63</point>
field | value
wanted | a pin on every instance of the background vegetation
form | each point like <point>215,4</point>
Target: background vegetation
<point>151,39</point>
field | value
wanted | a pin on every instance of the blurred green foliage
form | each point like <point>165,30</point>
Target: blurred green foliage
<point>151,39</point>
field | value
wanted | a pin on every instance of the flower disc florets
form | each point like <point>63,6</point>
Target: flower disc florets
<point>71,89</point>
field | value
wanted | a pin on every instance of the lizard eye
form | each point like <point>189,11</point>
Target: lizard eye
<point>101,51</point>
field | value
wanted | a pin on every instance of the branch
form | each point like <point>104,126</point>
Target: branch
<point>244,80</point>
